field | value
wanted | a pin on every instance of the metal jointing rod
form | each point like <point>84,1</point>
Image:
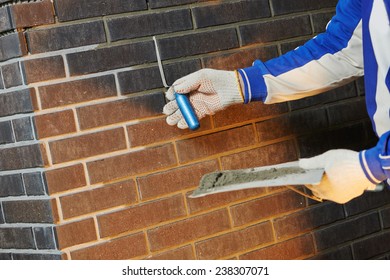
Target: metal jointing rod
<point>184,104</point>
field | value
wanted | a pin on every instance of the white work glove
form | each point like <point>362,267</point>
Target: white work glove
<point>209,91</point>
<point>344,178</point>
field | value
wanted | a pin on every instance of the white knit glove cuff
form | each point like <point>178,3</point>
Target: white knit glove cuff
<point>228,89</point>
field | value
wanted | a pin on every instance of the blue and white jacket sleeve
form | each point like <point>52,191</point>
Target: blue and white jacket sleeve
<point>329,60</point>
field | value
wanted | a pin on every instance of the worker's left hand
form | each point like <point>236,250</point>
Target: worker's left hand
<point>344,178</point>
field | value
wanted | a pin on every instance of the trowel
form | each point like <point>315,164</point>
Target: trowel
<point>285,174</point>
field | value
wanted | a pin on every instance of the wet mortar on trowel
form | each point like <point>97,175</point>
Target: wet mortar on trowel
<point>225,178</point>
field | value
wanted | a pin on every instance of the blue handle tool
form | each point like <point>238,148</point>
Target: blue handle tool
<point>187,111</point>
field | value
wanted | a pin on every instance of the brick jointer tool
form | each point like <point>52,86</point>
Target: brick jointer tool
<point>181,99</point>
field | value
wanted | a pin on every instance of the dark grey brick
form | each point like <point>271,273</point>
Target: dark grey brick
<point>12,75</point>
<point>6,133</point>
<point>23,129</point>
<point>34,183</point>
<point>28,211</point>
<point>5,19</point>
<point>149,24</point>
<point>347,112</point>
<point>386,217</point>
<point>78,9</point>
<point>230,12</point>
<point>166,3</point>
<point>291,6</point>
<point>36,256</point>
<point>193,44</point>
<point>11,46</point>
<point>347,230</point>
<point>289,46</point>
<point>15,102</point>
<point>11,185</point>
<point>373,246</point>
<point>16,238</point>
<point>368,201</point>
<point>275,30</point>
<point>175,71</point>
<point>5,256</point>
<point>293,124</point>
<point>111,58</point>
<point>321,20</point>
<point>344,253</point>
<point>149,78</point>
<point>63,37</point>
<point>139,80</point>
<point>346,137</point>
<point>44,237</point>
<point>21,157</point>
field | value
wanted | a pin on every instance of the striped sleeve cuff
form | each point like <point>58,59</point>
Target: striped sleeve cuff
<point>376,161</point>
<point>255,87</point>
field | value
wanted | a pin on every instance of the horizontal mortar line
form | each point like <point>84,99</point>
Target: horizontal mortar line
<point>23,225</point>
<point>13,89</point>
<point>19,144</point>
<point>25,198</point>
<point>16,116</point>
<point>30,251</point>
<point>22,171</point>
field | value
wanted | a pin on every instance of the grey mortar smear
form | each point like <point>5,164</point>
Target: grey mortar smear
<point>225,178</point>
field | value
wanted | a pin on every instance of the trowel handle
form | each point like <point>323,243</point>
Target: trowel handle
<point>187,111</point>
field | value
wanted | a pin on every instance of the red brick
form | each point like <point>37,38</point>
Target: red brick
<point>32,14</point>
<point>141,216</point>
<point>184,253</point>
<point>131,164</point>
<point>297,248</point>
<point>67,178</point>
<point>121,111</point>
<point>154,131</point>
<point>241,113</point>
<point>219,199</point>
<point>211,144</point>
<point>188,230</point>
<point>77,91</point>
<point>88,145</point>
<point>174,180</point>
<point>55,124</point>
<point>267,155</point>
<point>308,219</point>
<point>122,193</point>
<point>234,242</point>
<point>116,249</point>
<point>240,59</point>
<point>266,207</point>
<point>42,69</point>
<point>76,233</point>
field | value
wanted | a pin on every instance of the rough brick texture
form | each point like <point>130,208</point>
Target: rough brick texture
<point>89,169</point>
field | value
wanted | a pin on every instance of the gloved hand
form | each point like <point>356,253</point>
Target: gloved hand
<point>209,92</point>
<point>344,178</point>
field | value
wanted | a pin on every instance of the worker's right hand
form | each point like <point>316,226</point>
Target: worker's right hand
<point>209,91</point>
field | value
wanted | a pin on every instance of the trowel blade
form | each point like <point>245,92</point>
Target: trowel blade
<point>267,176</point>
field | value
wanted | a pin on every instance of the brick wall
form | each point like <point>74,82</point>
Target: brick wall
<point>85,151</point>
